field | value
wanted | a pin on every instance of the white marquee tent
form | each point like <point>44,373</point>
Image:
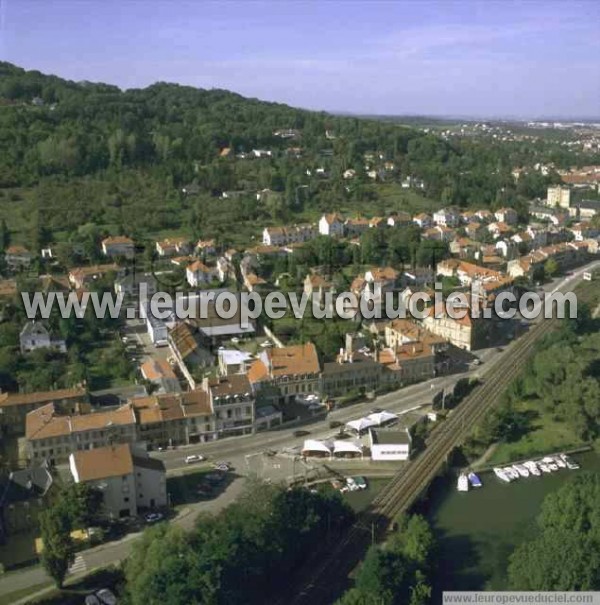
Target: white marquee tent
<point>382,417</point>
<point>314,446</point>
<point>347,447</point>
<point>361,425</point>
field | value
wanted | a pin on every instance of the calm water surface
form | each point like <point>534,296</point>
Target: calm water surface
<point>480,528</point>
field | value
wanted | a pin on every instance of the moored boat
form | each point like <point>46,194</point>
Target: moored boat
<point>463,483</point>
<point>544,467</point>
<point>559,461</point>
<point>499,472</point>
<point>532,467</point>
<point>474,480</point>
<point>571,464</point>
<point>521,469</point>
<point>511,472</point>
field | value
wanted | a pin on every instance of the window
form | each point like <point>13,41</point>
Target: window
<point>126,499</point>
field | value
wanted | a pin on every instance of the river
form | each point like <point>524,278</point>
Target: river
<point>479,529</point>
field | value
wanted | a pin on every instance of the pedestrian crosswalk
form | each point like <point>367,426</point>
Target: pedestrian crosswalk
<point>78,565</point>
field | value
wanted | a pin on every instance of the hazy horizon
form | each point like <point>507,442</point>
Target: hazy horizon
<point>471,59</point>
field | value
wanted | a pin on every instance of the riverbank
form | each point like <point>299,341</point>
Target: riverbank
<point>478,530</point>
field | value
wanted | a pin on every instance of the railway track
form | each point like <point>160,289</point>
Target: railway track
<point>327,578</point>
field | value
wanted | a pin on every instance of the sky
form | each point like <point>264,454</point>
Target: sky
<point>527,59</point>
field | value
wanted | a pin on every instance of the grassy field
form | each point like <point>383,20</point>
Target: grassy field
<point>546,435</point>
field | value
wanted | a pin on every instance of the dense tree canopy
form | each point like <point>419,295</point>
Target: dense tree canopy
<point>565,554</point>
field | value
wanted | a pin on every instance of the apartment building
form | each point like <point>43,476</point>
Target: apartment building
<point>292,370</point>
<point>130,481</point>
<point>14,407</point>
<point>51,433</point>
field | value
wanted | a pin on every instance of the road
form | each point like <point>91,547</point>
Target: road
<point>235,449</point>
<point>324,578</point>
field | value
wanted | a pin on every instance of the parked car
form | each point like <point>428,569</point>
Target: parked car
<point>192,458</point>
<point>222,466</point>
<point>106,596</point>
<point>301,433</point>
<point>153,517</point>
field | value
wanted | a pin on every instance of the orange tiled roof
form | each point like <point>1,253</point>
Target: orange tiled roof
<point>103,462</point>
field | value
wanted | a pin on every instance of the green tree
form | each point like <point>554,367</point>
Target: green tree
<point>58,549</point>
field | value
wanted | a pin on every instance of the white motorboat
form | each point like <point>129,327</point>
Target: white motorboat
<point>532,467</point>
<point>463,483</point>
<point>571,464</point>
<point>511,472</point>
<point>559,461</point>
<point>499,472</point>
<point>521,469</point>
<point>544,467</point>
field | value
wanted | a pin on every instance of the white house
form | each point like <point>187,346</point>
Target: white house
<point>507,215</point>
<point>198,274</point>
<point>423,220</point>
<point>390,444</point>
<point>129,481</point>
<point>34,336</point>
<point>446,217</point>
<point>331,224</point>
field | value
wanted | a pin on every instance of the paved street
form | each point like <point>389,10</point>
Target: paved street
<point>239,450</point>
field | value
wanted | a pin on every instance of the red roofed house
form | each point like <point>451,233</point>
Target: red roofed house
<point>198,273</point>
<point>118,246</point>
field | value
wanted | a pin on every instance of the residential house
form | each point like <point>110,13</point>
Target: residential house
<point>440,233</point>
<point>232,399</point>
<point>198,274</point>
<point>274,236</point>
<point>35,335</point>
<point>354,227</point>
<point>352,371</point>
<point>583,231</point>
<point>82,277</point>
<point>206,247</point>
<point>22,498</point>
<point>315,284</point>
<point>129,480</point>
<point>377,222</point>
<point>485,215</point>
<point>51,433</point>
<point>14,407</point>
<point>423,220</point>
<point>462,330</point>
<point>17,257</point>
<point>499,229</point>
<point>585,209</point>
<point>463,247</point>
<point>134,284</point>
<point>189,349</point>
<point>446,217</point>
<point>507,215</point>
<point>474,230</point>
<point>292,370</point>
<point>332,225</point>
<point>160,374</point>
<point>175,418</point>
<point>558,195</point>
<point>408,363</point>
<point>399,219</point>
<point>117,246</point>
<point>233,361</point>
<point>384,278</point>
<point>178,246</point>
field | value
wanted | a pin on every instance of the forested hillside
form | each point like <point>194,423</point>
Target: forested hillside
<point>80,153</point>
